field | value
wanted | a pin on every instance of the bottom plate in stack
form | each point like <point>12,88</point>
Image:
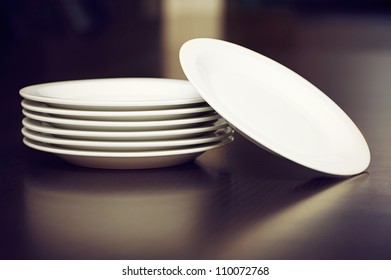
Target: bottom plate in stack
<point>126,160</point>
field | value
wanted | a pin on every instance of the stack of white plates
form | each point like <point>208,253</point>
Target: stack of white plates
<point>121,123</point>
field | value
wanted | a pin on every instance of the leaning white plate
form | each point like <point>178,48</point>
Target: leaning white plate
<point>115,94</point>
<point>137,115</point>
<point>124,135</point>
<point>127,145</point>
<point>119,125</point>
<point>275,107</point>
<point>126,160</point>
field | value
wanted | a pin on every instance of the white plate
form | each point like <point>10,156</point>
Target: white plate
<point>119,125</point>
<point>124,135</point>
<point>275,107</point>
<point>115,94</point>
<point>168,114</point>
<point>127,145</point>
<point>125,160</point>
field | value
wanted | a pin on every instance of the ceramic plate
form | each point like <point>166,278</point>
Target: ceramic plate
<point>126,160</point>
<point>153,115</point>
<point>119,125</point>
<point>124,135</point>
<point>115,94</point>
<point>127,145</point>
<point>275,107</point>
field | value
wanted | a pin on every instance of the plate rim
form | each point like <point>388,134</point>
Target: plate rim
<point>120,124</point>
<point>29,92</point>
<point>41,107</point>
<point>148,154</point>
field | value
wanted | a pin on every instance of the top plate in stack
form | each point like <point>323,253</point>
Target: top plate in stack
<point>116,94</point>
<point>102,113</point>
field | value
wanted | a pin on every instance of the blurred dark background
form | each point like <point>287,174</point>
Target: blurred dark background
<point>48,40</point>
<point>51,40</point>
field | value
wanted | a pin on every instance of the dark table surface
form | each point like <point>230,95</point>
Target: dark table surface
<point>237,202</point>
